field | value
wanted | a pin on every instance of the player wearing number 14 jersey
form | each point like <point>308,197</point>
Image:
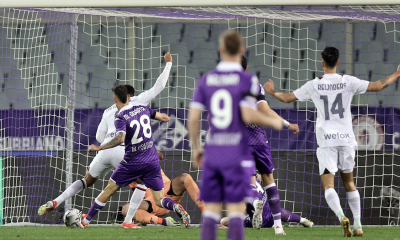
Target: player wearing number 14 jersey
<point>228,94</point>
<point>332,94</point>
<point>140,161</point>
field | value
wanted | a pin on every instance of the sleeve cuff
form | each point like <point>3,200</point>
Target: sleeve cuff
<point>168,64</point>
<point>297,96</point>
<point>120,131</point>
<point>262,101</point>
<point>197,105</point>
<point>248,104</point>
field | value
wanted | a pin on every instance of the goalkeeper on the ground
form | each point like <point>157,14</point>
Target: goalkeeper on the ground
<point>150,213</point>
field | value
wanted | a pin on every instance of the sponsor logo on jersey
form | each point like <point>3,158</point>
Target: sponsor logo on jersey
<point>369,133</point>
<point>337,136</point>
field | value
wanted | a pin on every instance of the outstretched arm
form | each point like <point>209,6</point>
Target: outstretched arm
<point>146,96</point>
<point>383,83</point>
<point>281,96</point>
<point>117,140</point>
<point>162,117</point>
<point>252,116</point>
<point>263,107</point>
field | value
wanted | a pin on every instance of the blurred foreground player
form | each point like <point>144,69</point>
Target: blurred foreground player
<point>332,95</point>
<point>227,93</point>
<point>109,159</point>
<point>133,128</point>
<point>261,152</point>
<point>150,213</point>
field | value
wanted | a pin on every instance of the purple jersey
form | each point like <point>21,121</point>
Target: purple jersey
<point>257,135</point>
<point>222,93</point>
<point>135,122</point>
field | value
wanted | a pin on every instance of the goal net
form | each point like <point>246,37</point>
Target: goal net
<point>57,67</point>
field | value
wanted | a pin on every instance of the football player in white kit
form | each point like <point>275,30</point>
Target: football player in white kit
<point>108,159</point>
<point>332,94</point>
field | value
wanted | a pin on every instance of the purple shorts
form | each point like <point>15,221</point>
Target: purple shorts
<point>225,183</point>
<point>262,157</point>
<point>149,174</point>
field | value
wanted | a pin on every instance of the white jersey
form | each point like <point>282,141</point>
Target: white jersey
<point>106,129</point>
<point>332,95</point>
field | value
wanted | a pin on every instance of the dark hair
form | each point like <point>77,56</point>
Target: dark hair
<point>131,90</point>
<point>231,41</point>
<point>244,62</point>
<point>330,55</point>
<point>121,93</point>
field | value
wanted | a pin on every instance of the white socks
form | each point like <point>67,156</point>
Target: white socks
<point>354,202</point>
<point>136,200</point>
<point>333,201</point>
<point>75,187</point>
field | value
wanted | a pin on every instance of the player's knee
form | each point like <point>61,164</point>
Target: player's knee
<point>225,221</point>
<point>90,180</point>
<point>183,177</point>
<point>349,186</point>
<point>125,209</point>
<point>158,203</point>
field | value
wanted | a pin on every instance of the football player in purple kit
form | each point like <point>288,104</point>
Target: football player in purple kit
<point>262,156</point>
<point>133,128</point>
<point>267,216</point>
<point>228,94</point>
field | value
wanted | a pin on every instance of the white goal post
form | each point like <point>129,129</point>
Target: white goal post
<point>59,61</point>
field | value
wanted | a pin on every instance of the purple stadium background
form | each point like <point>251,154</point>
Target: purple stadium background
<point>294,157</point>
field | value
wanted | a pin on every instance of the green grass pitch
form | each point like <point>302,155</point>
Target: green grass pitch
<point>151,232</point>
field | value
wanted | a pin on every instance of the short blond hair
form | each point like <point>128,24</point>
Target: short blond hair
<point>231,41</point>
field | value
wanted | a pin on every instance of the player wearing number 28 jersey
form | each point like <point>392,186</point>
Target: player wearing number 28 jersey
<point>228,94</point>
<point>141,158</point>
<point>332,95</point>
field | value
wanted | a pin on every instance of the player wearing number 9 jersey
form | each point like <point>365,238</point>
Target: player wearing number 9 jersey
<point>133,127</point>
<point>228,94</point>
<point>332,95</point>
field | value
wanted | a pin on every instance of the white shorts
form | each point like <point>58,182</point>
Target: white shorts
<point>106,160</point>
<point>334,158</point>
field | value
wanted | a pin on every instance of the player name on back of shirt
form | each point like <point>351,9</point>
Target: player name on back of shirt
<point>223,80</point>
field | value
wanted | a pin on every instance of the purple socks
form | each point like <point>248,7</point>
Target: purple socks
<point>236,228</point>
<point>288,216</point>
<point>168,203</point>
<point>274,201</point>
<point>96,206</point>
<point>208,227</point>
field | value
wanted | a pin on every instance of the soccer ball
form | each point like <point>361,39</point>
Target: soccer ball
<point>73,218</point>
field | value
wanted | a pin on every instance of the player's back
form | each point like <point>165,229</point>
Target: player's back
<point>332,95</point>
<point>109,116</point>
<point>139,145</point>
<point>222,91</point>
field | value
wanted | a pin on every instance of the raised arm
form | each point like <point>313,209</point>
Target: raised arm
<point>146,96</point>
<point>162,117</point>
<point>281,96</point>
<point>383,83</point>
